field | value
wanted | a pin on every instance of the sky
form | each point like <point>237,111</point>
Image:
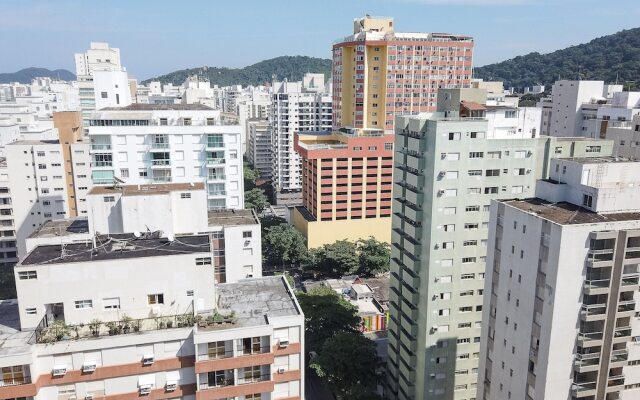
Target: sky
<point>160,36</point>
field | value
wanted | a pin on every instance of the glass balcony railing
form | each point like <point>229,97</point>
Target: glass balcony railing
<point>597,284</point>
<point>583,387</point>
<point>160,162</point>
<point>160,145</point>
<point>215,161</point>
<point>100,146</point>
<point>102,164</point>
<point>217,177</point>
<point>589,310</point>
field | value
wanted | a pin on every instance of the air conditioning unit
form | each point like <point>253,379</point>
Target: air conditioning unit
<point>89,366</point>
<point>432,376</point>
<point>283,344</point>
<point>249,275</point>
<point>247,243</point>
<point>145,389</point>
<point>59,370</point>
<point>440,192</point>
<point>89,396</point>
<point>281,370</point>
<point>171,386</point>
<point>148,359</point>
<point>441,174</point>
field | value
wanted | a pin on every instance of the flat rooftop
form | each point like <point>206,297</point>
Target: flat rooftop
<point>232,217</point>
<point>154,188</point>
<point>254,301</point>
<point>12,340</point>
<point>567,213</point>
<point>159,107</point>
<point>120,246</point>
<point>599,160</point>
<point>34,142</point>
<point>62,227</point>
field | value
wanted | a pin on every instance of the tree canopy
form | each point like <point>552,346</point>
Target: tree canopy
<point>348,362</point>
<point>374,257</point>
<point>292,68</point>
<point>326,313</point>
<point>609,58</point>
<point>337,259</point>
<point>256,199</point>
<point>283,244</point>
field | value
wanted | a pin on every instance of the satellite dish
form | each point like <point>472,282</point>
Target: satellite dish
<point>136,234</point>
<point>171,238</point>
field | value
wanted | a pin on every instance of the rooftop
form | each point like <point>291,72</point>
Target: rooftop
<point>120,246</point>
<point>159,107</point>
<point>155,188</point>
<point>12,340</point>
<point>62,227</point>
<point>567,213</point>
<point>232,217</point>
<point>254,301</point>
<point>599,160</point>
<point>33,142</point>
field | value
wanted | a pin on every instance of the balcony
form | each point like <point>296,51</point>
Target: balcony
<point>215,161</point>
<point>230,360</point>
<point>622,334</point>
<point>619,358</point>
<point>593,312</point>
<point>583,389</point>
<point>216,177</point>
<point>615,383</point>
<point>100,147</point>
<point>101,164</point>
<point>228,388</point>
<point>217,193</point>
<point>629,283</point>
<point>162,178</point>
<point>590,339</point>
<point>594,287</point>
<point>155,164</point>
<point>587,362</point>
<point>159,146</point>
<point>626,309</point>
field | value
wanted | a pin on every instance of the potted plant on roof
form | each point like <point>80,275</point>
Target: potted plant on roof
<point>126,323</point>
<point>94,327</point>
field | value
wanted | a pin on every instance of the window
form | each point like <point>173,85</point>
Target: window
<point>155,298</point>
<point>203,261</point>
<point>468,260</point>
<point>592,149</point>
<point>472,208</point>
<point>517,189</point>
<point>492,172</point>
<point>587,200</point>
<point>449,210</point>
<point>491,190</point>
<point>109,199</point>
<point>519,171</point>
<point>450,193</point>
<point>464,325</point>
<point>246,234</point>
<point>111,303</point>
<point>142,172</point>
<point>103,95</point>
<point>470,243</point>
<point>447,245</point>
<point>519,154</point>
<point>452,156</point>
<point>454,135</point>
<point>467,276</point>
<point>476,154</point>
<point>449,227</point>
<point>474,191</point>
<point>495,154</point>
<point>388,146</point>
<point>185,195</point>
<point>475,172</point>
<point>23,275</point>
<point>451,175</point>
<point>84,304</point>
<point>216,350</point>
<point>511,114</point>
<point>30,311</point>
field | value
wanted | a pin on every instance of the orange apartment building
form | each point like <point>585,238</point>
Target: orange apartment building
<point>347,178</point>
<point>379,73</point>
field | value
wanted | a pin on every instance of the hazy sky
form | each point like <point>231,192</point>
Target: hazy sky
<point>160,36</point>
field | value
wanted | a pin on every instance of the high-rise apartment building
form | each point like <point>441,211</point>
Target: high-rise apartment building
<point>303,106</point>
<point>379,73</point>
<point>560,303</point>
<point>102,80</point>
<point>259,152</point>
<point>145,143</point>
<point>347,183</point>
<point>626,139</point>
<point>448,169</point>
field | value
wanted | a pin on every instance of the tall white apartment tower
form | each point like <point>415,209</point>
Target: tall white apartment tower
<point>448,168</point>
<point>561,296</point>
<point>182,143</point>
<point>102,80</point>
<point>303,106</point>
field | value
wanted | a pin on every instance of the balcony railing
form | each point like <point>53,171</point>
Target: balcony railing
<point>583,387</point>
<point>215,161</point>
<point>100,146</point>
<point>217,177</point>
<point>102,164</point>
<point>160,162</point>
<point>218,193</point>
<point>160,145</point>
<point>161,179</point>
<point>16,381</point>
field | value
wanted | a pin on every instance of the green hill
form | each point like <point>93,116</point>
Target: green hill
<point>289,67</point>
<point>27,74</point>
<point>608,58</point>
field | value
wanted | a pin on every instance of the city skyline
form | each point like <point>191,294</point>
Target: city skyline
<point>58,31</point>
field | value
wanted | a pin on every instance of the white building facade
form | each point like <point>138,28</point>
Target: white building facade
<point>146,143</point>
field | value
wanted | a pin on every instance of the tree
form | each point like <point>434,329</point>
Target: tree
<point>283,244</point>
<point>374,257</point>
<point>256,199</point>
<point>337,259</point>
<point>251,176</point>
<point>348,362</point>
<point>267,221</point>
<point>326,313</point>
